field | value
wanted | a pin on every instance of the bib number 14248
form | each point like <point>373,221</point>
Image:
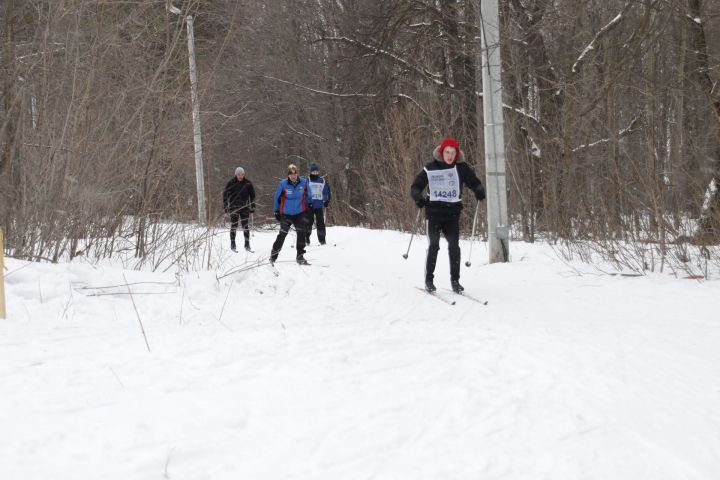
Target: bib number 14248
<point>445,194</point>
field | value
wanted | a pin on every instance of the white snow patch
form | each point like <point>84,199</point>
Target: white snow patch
<point>344,370</point>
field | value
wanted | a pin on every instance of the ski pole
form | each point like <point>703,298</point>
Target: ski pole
<point>417,218</point>
<point>472,235</point>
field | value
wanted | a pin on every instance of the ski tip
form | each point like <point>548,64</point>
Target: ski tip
<point>438,296</point>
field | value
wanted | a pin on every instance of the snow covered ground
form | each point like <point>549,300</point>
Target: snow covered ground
<point>342,370</point>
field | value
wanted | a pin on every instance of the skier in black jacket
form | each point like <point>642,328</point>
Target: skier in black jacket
<point>444,177</point>
<point>239,202</point>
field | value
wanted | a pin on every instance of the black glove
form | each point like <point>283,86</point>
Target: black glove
<point>252,208</point>
<point>480,193</point>
<point>326,203</point>
<point>278,217</point>
<point>421,202</point>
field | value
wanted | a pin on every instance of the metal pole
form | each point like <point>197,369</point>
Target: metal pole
<point>199,174</point>
<point>417,218</point>
<point>472,235</point>
<point>498,235</point>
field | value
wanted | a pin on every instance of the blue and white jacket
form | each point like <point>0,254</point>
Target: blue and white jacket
<point>319,192</point>
<point>292,198</point>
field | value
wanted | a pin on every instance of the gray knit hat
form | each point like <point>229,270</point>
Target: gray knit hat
<point>239,171</point>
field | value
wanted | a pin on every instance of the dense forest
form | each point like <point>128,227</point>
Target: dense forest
<point>612,114</point>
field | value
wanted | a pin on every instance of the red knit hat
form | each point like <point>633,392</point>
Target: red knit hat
<point>450,142</point>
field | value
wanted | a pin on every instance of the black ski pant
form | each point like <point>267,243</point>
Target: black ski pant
<point>287,221</point>
<point>450,227</point>
<point>243,215</point>
<point>316,214</point>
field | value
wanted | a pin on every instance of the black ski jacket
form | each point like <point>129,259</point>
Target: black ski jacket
<point>445,210</point>
<point>238,195</point>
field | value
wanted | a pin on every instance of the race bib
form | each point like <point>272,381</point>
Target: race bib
<point>316,190</point>
<point>443,185</point>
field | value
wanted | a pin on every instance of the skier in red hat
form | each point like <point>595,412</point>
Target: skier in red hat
<point>444,178</point>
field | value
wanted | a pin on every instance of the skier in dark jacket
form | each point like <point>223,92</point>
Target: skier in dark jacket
<point>320,193</point>
<point>291,201</point>
<point>444,177</point>
<point>239,202</point>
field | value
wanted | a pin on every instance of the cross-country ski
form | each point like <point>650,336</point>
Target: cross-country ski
<point>437,295</point>
<point>467,295</point>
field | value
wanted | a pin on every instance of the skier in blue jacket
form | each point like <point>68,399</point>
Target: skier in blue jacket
<point>320,193</point>
<point>292,198</point>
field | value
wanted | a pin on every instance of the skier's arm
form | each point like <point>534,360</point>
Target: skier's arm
<point>252,197</point>
<point>418,186</point>
<point>326,195</point>
<point>225,199</point>
<point>473,182</point>
<point>308,194</point>
<point>276,198</point>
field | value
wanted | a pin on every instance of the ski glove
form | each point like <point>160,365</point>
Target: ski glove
<point>326,203</point>
<point>480,193</point>
<point>278,217</point>
<point>421,202</point>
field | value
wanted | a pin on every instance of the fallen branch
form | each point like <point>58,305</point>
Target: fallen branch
<point>142,328</point>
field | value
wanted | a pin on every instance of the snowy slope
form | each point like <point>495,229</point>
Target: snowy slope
<point>342,370</point>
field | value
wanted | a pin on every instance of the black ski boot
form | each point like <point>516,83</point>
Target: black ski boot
<point>430,287</point>
<point>301,260</point>
<point>233,247</point>
<point>247,247</point>
<point>456,287</point>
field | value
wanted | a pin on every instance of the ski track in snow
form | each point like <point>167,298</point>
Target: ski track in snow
<point>347,371</point>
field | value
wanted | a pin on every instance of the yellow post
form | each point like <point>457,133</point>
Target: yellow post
<point>2,276</point>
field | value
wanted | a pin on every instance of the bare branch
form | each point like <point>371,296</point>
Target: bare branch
<point>434,77</point>
<point>321,92</point>
<point>602,33</point>
<point>624,132</point>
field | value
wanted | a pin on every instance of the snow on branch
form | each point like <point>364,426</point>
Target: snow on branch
<point>308,135</point>
<point>603,31</point>
<point>520,111</point>
<point>710,193</point>
<point>321,92</point>
<point>407,97</point>
<point>625,131</point>
<point>694,18</point>
<point>710,199</point>
<point>420,24</point>
<point>348,95</point>
<point>435,77</point>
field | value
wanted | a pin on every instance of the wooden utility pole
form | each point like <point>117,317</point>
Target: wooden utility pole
<point>497,215</point>
<point>197,135</point>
